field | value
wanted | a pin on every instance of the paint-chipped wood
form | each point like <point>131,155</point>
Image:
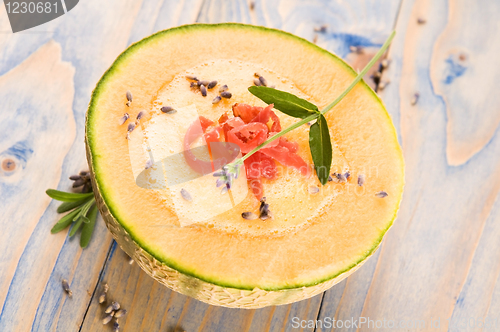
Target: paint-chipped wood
<point>152,307</point>
<point>86,41</point>
<point>438,264</point>
<point>438,261</point>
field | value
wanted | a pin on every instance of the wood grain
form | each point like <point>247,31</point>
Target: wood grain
<point>439,261</point>
<point>434,257</point>
<point>34,99</point>
<point>434,264</point>
<point>462,74</point>
<point>56,93</point>
<point>153,307</point>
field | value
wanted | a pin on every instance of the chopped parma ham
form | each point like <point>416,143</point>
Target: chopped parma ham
<point>291,146</point>
<point>205,123</point>
<point>194,131</point>
<point>248,136</point>
<point>250,127</point>
<point>282,155</point>
<point>260,165</point>
<point>213,135</point>
<point>231,124</point>
<point>246,112</point>
<point>257,166</point>
<point>267,114</point>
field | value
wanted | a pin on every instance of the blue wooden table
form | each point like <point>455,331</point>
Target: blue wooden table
<point>439,265</point>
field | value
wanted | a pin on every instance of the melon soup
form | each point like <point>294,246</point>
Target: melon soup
<point>208,242</point>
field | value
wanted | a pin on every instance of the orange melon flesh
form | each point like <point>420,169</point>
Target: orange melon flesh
<point>311,238</point>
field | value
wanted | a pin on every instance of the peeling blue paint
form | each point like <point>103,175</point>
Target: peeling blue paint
<point>22,151</point>
<point>346,40</point>
<point>453,70</point>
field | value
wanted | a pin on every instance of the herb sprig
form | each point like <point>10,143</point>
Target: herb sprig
<point>319,135</point>
<point>83,214</point>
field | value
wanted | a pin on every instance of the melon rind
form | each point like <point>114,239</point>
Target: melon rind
<point>185,283</point>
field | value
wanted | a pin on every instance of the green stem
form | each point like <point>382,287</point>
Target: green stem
<point>361,74</point>
<point>330,106</point>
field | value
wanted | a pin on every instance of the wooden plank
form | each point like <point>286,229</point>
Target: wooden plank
<point>158,15</point>
<point>339,303</point>
<point>478,305</point>
<point>153,307</point>
<point>90,37</point>
<point>363,24</point>
<point>461,73</point>
<point>24,143</point>
<point>440,258</point>
<point>48,75</point>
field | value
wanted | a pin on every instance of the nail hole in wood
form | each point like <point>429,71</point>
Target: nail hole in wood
<point>8,165</point>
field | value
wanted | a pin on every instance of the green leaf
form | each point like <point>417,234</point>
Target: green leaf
<point>66,206</point>
<point>88,228</point>
<point>67,197</point>
<point>65,221</point>
<point>76,227</point>
<point>321,148</point>
<point>284,101</point>
<point>87,206</point>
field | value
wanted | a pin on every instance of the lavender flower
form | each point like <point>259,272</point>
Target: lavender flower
<point>227,175</point>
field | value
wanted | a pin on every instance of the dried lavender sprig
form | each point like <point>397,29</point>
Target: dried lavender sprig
<point>128,94</point>
<point>115,305</point>
<point>107,319</point>
<point>211,85</point>
<point>249,216</point>
<point>140,115</point>
<point>264,212</point>
<point>66,288</point>
<point>186,195</point>
<point>120,313</point>
<point>203,90</point>
<point>228,174</point>
<point>123,119</point>
<point>313,190</point>
<point>361,180</point>
<point>168,110</point>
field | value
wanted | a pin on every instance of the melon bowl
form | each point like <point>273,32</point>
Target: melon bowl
<point>313,241</point>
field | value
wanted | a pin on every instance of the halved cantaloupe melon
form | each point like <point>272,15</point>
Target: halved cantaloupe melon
<point>313,240</point>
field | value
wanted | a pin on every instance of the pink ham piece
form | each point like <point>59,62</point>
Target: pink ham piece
<point>248,136</point>
<point>248,129</point>
<point>283,155</point>
<point>267,114</point>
